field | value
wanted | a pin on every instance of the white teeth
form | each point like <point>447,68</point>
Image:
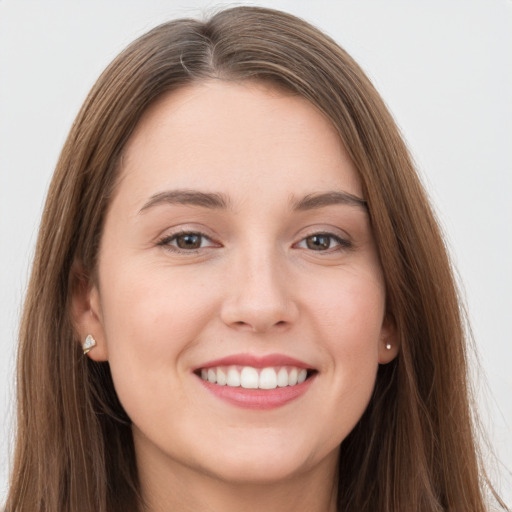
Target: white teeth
<point>252,378</point>
<point>249,378</point>
<point>282,378</point>
<point>233,378</point>
<point>222,378</point>
<point>268,379</point>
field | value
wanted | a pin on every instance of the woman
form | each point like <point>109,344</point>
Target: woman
<point>240,298</point>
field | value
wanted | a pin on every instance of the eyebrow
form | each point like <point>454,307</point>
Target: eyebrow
<point>188,197</point>
<point>321,200</point>
<point>217,201</point>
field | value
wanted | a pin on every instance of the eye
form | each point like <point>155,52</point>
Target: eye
<point>186,241</point>
<point>323,242</point>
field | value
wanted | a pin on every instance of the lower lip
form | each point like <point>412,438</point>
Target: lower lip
<point>258,398</point>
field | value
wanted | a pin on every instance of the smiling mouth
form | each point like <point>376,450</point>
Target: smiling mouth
<point>249,377</point>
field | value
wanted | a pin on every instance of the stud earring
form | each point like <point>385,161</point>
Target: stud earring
<point>388,346</point>
<point>88,344</point>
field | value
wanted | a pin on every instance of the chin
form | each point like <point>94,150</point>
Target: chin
<point>264,464</point>
<point>258,472</point>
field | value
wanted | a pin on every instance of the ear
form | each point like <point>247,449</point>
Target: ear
<point>85,308</point>
<point>389,342</point>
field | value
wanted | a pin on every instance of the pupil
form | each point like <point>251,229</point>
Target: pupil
<point>318,242</point>
<point>189,241</point>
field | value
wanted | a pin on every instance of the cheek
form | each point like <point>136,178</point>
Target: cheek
<point>151,318</point>
<point>349,318</point>
<point>147,307</point>
<point>349,311</point>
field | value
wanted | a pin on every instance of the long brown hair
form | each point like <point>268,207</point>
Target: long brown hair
<point>413,449</point>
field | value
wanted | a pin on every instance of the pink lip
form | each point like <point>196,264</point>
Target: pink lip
<point>257,398</point>
<point>255,361</point>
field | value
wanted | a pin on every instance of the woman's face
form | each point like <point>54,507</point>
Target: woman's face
<point>236,250</point>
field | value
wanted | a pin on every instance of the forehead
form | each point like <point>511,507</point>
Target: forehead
<point>236,137</point>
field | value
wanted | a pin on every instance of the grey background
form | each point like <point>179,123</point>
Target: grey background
<point>443,67</point>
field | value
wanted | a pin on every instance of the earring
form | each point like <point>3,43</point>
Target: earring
<point>88,344</point>
<point>388,346</point>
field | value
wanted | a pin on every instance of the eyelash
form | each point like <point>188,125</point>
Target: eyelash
<point>166,242</point>
<point>342,243</point>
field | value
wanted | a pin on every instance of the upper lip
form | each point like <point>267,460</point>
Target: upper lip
<point>256,361</point>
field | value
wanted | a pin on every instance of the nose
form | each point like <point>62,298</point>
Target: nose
<point>260,295</point>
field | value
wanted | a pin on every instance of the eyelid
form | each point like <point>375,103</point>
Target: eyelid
<point>164,240</point>
<point>343,240</point>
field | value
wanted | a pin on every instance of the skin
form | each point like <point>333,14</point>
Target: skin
<point>253,286</point>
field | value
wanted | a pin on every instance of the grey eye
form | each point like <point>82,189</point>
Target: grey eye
<point>188,241</point>
<point>319,242</point>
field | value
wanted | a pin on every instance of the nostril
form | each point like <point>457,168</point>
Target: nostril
<point>246,313</point>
